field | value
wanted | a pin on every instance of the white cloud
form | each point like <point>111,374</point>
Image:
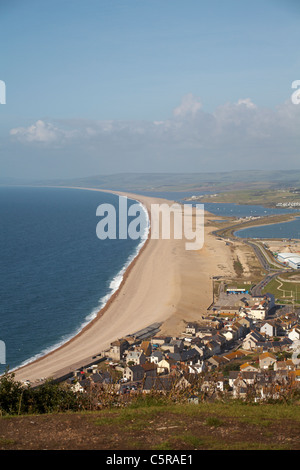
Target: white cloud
<point>40,131</point>
<point>190,105</point>
<point>237,135</point>
<point>247,102</point>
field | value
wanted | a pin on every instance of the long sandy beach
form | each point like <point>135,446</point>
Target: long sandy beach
<point>165,283</point>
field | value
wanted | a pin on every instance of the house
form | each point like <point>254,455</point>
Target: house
<point>150,369</point>
<point>103,378</point>
<point>157,341</point>
<point>274,346</point>
<point>220,339</point>
<point>176,357</point>
<point>190,356</point>
<point>158,384</point>
<point>216,361</point>
<point>258,311</point>
<point>146,347</point>
<point>234,355</point>
<point>284,365</point>
<point>201,348</point>
<point>239,387</point>
<point>206,331</point>
<point>247,368</point>
<point>164,366</point>
<point>191,328</point>
<point>294,334</point>
<point>197,368</point>
<point>174,346</point>
<point>156,357</point>
<point>252,339</point>
<point>246,323</point>
<point>229,335</point>
<point>228,310</point>
<point>185,382</point>
<point>212,384</point>
<point>77,387</point>
<point>133,373</point>
<point>117,349</point>
<point>136,357</point>
<point>239,329</point>
<point>213,347</point>
<point>266,360</point>
<point>270,328</point>
<point>267,299</point>
<point>249,377</point>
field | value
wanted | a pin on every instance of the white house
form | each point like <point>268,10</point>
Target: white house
<point>257,312</point>
<point>268,328</point>
<point>294,334</point>
<point>156,357</point>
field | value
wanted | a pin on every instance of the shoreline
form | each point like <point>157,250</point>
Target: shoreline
<point>113,295</point>
<point>161,285</point>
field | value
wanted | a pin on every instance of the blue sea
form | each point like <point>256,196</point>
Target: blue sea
<point>55,273</point>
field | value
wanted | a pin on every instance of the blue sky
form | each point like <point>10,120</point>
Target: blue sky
<point>102,86</point>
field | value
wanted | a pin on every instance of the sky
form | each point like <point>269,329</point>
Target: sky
<point>107,86</point>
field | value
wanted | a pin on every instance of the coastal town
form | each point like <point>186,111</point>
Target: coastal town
<point>245,346</point>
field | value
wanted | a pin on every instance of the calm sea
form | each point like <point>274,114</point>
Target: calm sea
<point>283,230</point>
<point>55,273</point>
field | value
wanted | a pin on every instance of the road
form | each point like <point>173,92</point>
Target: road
<point>263,259</point>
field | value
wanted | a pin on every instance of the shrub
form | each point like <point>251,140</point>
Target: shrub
<point>15,398</point>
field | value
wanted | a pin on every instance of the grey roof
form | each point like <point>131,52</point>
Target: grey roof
<point>189,354</point>
<point>136,367</point>
<point>158,383</point>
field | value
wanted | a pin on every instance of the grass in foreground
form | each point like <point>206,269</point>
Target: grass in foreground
<point>159,425</point>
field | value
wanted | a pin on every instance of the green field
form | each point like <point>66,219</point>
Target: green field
<point>265,197</point>
<point>285,291</point>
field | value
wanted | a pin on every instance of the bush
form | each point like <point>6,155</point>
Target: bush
<point>47,398</point>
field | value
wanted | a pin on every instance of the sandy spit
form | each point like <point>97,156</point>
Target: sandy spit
<point>165,283</point>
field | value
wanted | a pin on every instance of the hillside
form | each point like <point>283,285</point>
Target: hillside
<point>154,425</point>
<point>205,181</point>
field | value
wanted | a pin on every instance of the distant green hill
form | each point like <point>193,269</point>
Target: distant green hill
<point>218,181</point>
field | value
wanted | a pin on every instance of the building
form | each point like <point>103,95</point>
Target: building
<point>289,259</point>
<point>133,373</point>
<point>135,357</point>
<point>117,349</point>
<point>266,360</point>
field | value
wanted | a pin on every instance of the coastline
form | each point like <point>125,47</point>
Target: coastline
<point>103,302</point>
<point>161,284</point>
<point>103,309</point>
